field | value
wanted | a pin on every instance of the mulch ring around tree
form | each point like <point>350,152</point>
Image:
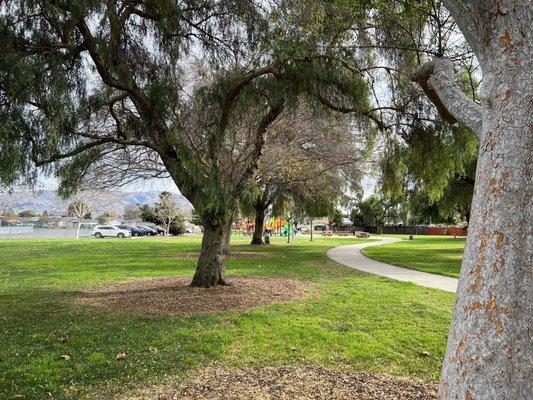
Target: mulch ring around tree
<point>293,383</point>
<point>174,296</point>
<point>233,255</point>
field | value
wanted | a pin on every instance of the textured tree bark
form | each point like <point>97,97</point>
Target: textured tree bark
<point>489,353</point>
<point>227,237</point>
<point>212,262</point>
<point>257,237</point>
<point>437,79</point>
<point>490,349</point>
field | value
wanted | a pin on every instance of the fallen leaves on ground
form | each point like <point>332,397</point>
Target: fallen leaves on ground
<point>293,383</point>
<point>233,255</point>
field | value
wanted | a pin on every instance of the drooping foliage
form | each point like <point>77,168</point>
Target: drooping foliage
<point>85,81</point>
<point>435,163</point>
<point>422,156</point>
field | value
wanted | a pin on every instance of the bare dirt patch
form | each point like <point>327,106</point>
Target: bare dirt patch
<point>290,383</point>
<point>174,296</point>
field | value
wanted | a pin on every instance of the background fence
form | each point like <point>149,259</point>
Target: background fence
<point>415,230</point>
<point>15,229</point>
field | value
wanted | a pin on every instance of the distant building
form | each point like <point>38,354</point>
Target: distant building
<point>35,221</point>
<point>6,220</point>
<point>69,223</point>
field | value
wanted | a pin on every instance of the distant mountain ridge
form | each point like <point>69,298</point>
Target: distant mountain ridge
<point>47,200</point>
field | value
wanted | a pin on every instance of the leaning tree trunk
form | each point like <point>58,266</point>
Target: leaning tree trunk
<point>489,354</point>
<point>212,261</point>
<point>257,237</point>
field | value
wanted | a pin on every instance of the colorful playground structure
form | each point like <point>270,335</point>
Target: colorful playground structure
<point>277,226</point>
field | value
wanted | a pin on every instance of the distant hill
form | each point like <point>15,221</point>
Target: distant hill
<point>47,200</point>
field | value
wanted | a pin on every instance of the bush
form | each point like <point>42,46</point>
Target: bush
<point>177,228</point>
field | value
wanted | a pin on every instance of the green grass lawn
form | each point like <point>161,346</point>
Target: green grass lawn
<point>360,322</point>
<point>435,254</point>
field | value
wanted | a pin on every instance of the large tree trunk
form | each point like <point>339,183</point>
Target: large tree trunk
<point>212,262</point>
<point>489,354</point>
<point>257,237</point>
<point>227,237</point>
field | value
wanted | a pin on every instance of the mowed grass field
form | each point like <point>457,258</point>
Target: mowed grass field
<point>357,322</point>
<point>440,255</point>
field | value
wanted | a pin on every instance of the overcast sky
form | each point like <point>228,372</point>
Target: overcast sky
<point>368,183</point>
<point>50,183</point>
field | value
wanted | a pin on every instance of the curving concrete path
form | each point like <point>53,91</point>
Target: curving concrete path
<point>352,257</point>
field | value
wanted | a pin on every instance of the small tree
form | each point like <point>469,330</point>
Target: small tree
<point>356,218</point>
<point>45,218</point>
<point>107,216</point>
<point>147,214</point>
<point>372,211</point>
<point>166,210</point>
<point>131,213</point>
<point>86,201</point>
<point>335,218</point>
<point>312,203</point>
<point>27,213</point>
<point>80,209</point>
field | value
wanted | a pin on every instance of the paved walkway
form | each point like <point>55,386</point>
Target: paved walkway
<point>352,257</point>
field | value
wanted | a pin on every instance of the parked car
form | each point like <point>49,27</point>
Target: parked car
<point>134,230</point>
<point>100,231</point>
<point>159,230</point>
<point>149,231</point>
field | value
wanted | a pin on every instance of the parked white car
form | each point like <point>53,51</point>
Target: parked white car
<point>100,231</point>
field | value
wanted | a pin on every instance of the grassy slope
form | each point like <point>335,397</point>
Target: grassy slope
<point>435,254</point>
<point>359,322</point>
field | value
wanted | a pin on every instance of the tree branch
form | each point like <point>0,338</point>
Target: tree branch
<point>103,69</point>
<point>229,102</point>
<point>436,78</point>
<point>60,156</point>
<point>234,91</point>
<point>346,110</point>
<point>98,141</point>
<point>259,143</point>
